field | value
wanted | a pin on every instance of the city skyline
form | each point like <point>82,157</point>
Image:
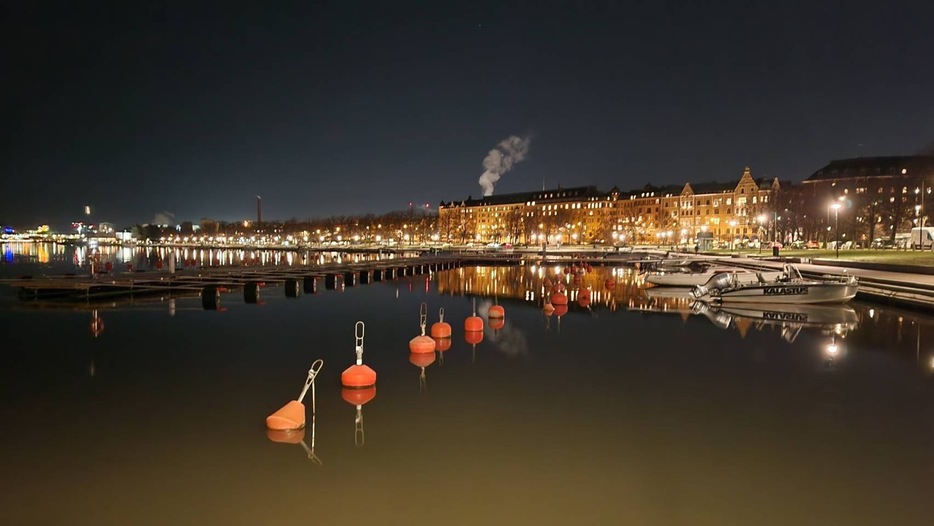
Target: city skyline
<point>328,109</point>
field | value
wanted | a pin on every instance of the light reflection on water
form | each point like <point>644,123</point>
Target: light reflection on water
<point>627,408</point>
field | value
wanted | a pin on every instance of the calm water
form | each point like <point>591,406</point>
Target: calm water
<point>633,410</point>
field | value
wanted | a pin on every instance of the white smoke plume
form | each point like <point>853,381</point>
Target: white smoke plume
<point>501,159</point>
<point>163,218</point>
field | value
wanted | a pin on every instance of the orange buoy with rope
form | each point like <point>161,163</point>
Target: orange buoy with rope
<point>358,376</point>
<point>473,323</point>
<point>422,343</point>
<point>441,328</point>
<point>292,415</point>
<point>496,311</point>
<point>497,323</point>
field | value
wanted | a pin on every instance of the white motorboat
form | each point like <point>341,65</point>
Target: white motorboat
<point>690,279</point>
<point>790,287</point>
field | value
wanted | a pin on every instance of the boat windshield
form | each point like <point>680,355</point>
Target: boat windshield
<point>791,272</point>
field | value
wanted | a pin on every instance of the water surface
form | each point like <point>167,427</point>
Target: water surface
<point>629,409</point>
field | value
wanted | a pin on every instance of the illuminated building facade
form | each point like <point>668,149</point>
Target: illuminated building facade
<point>866,198</point>
<point>673,215</point>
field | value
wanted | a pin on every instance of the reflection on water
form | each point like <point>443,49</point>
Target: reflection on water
<point>59,258</point>
<point>643,408</point>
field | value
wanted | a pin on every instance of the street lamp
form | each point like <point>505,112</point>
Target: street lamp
<point>836,229</point>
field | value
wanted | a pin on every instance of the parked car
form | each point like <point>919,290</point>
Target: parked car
<point>802,244</point>
<point>882,244</point>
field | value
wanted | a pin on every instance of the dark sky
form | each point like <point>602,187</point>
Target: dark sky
<point>139,108</point>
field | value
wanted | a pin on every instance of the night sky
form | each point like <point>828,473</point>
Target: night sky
<point>192,109</point>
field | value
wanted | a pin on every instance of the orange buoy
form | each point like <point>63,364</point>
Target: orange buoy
<point>358,376</point>
<point>496,311</point>
<point>609,284</point>
<point>292,414</point>
<point>441,328</point>
<point>497,323</point>
<point>561,310</point>
<point>559,298</point>
<point>422,343</point>
<point>442,344</point>
<point>473,323</point>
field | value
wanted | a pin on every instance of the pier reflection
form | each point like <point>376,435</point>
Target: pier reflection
<point>65,258</point>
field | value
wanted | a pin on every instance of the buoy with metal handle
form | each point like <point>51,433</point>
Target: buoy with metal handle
<point>441,328</point>
<point>473,323</point>
<point>422,343</point>
<point>292,414</point>
<point>358,376</point>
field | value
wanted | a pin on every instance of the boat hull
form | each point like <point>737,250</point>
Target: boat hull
<point>690,279</point>
<point>805,292</point>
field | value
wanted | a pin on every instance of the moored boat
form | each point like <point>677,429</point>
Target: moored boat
<point>790,287</point>
<point>690,279</point>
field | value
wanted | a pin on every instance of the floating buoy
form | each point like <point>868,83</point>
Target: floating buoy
<point>358,376</point>
<point>609,284</point>
<point>442,344</point>
<point>496,311</point>
<point>441,328</point>
<point>497,323</point>
<point>292,414</point>
<point>561,310</point>
<point>422,343</point>
<point>559,298</point>
<point>473,323</point>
